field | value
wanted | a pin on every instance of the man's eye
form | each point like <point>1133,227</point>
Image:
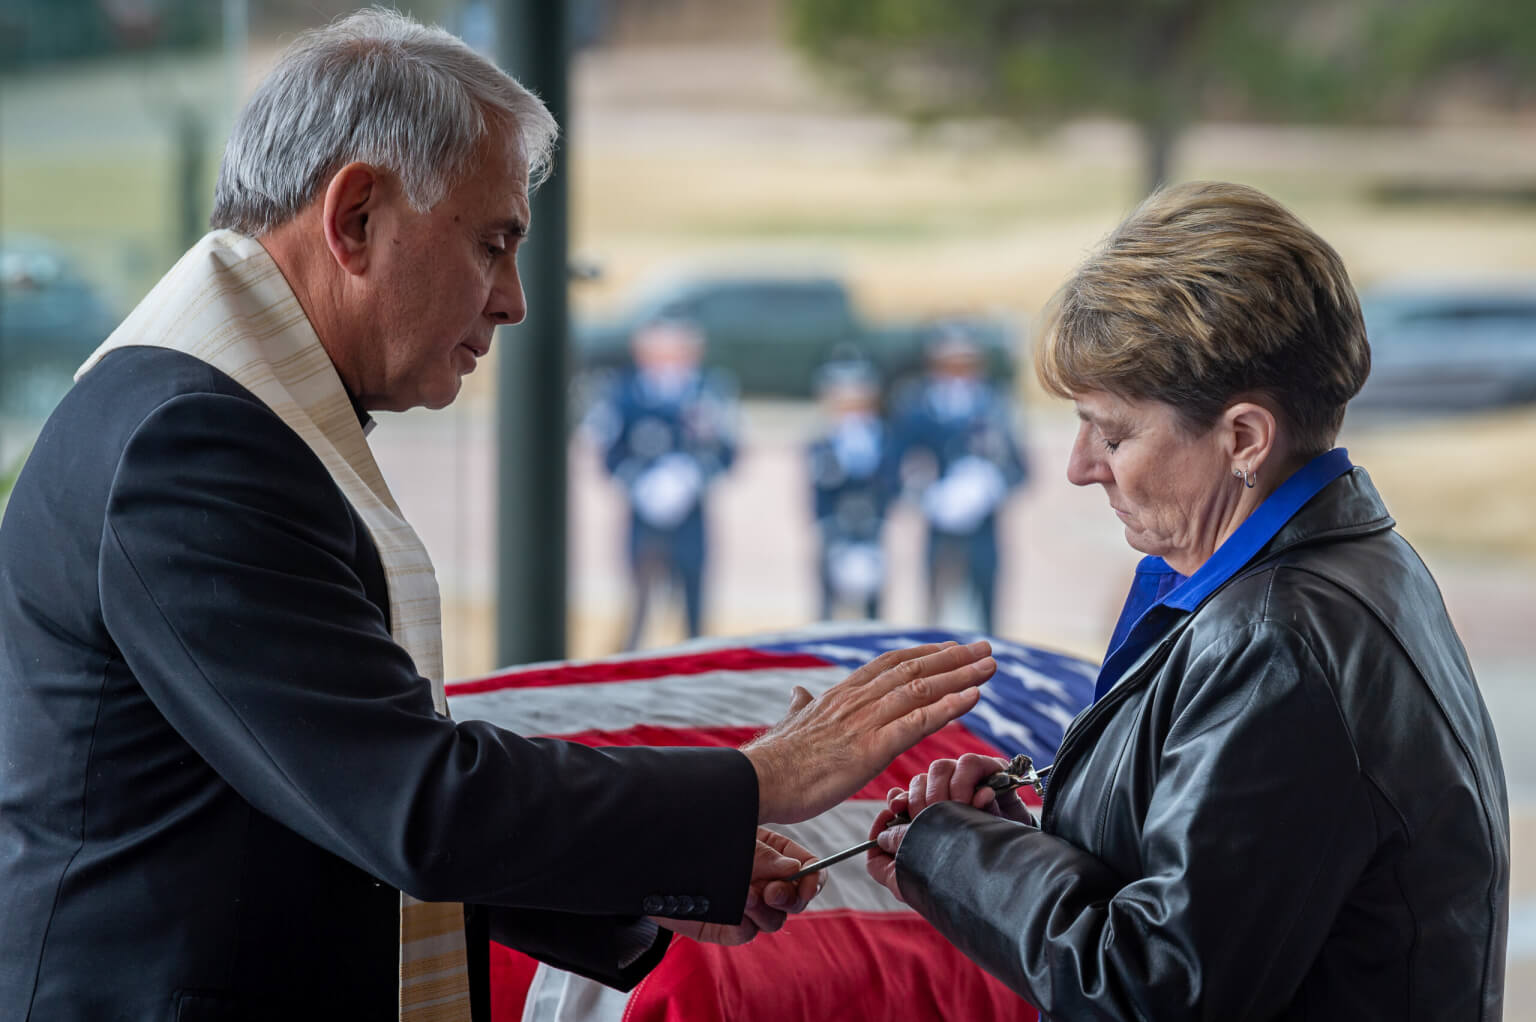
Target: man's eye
<point>1111,446</point>
<point>496,247</point>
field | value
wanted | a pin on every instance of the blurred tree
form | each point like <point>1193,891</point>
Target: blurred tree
<point>1164,63</point>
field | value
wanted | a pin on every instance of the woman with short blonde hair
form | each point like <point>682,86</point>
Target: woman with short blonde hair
<point>1286,800</point>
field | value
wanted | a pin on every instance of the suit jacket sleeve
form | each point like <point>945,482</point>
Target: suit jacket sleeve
<point>1256,759</point>
<point>230,583</point>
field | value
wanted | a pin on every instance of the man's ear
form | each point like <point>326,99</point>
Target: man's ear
<point>1253,434</point>
<point>351,197</point>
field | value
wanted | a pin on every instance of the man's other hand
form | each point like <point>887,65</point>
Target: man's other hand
<point>770,898</point>
<point>829,747</point>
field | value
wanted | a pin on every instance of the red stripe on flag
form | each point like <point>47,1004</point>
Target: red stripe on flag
<point>949,742</point>
<point>638,670</point>
<point>822,965</point>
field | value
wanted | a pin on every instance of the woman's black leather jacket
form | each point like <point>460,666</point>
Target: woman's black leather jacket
<point>1292,807</point>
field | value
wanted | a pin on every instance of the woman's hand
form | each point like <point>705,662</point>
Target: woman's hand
<point>959,780</point>
<point>946,780</point>
<point>881,861</point>
<point>770,899</point>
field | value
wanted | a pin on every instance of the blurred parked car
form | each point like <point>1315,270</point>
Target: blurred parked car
<point>773,332</point>
<point>1450,347</point>
<point>51,319</point>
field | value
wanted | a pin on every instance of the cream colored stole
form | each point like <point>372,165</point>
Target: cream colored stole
<point>225,302</point>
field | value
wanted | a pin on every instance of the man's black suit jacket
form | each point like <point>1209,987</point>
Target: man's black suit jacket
<point>217,768</point>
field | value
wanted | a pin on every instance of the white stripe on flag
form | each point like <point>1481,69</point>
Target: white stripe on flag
<point>558,996</point>
<point>711,699</point>
<point>849,885</point>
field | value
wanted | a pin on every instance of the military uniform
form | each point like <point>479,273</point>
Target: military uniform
<point>665,438</point>
<point>953,441</point>
<point>851,491</point>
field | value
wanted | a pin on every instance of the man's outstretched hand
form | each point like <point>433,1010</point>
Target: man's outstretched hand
<point>827,748</point>
<point>770,898</point>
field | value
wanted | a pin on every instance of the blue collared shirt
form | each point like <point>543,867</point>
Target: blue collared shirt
<point>1157,585</point>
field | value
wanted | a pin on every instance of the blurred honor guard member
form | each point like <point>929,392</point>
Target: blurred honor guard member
<point>953,434</point>
<point>668,429</point>
<point>223,754</point>
<point>850,488</point>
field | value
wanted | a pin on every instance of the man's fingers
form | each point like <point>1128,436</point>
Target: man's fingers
<point>910,728</point>
<point>890,838</point>
<point>792,897</point>
<point>810,887</point>
<point>799,699</point>
<point>928,719</point>
<point>925,687</point>
<point>891,658</point>
<point>765,917</point>
<point>784,845</point>
<point>921,671</point>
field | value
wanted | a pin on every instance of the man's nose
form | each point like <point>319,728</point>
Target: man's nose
<point>507,304</point>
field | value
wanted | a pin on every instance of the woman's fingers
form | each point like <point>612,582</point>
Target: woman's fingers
<point>940,773</point>
<point>890,838</point>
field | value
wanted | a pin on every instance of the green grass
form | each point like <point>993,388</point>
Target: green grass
<point>117,220</point>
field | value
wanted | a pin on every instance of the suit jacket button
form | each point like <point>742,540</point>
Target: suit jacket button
<point>701,903</point>
<point>668,905</point>
<point>651,905</point>
<point>685,905</point>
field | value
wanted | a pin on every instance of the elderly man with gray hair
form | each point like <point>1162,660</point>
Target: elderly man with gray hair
<point>226,773</point>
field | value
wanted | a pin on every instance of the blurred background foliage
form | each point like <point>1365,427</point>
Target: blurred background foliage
<point>1164,64</point>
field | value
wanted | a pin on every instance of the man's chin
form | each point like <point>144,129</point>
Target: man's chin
<point>441,398</point>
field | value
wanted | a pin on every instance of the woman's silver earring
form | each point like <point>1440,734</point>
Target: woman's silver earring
<point>1247,479</point>
<point>1237,473</point>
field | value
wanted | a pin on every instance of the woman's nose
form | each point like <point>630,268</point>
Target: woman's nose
<point>1084,466</point>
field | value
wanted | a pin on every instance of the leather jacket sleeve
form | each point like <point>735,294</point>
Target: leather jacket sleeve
<point>1258,824</point>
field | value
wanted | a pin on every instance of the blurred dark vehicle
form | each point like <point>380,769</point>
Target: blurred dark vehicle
<point>773,332</point>
<point>51,319</point>
<point>38,32</point>
<point>1449,347</point>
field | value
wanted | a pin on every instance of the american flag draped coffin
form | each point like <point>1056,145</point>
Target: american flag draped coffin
<point>856,952</point>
